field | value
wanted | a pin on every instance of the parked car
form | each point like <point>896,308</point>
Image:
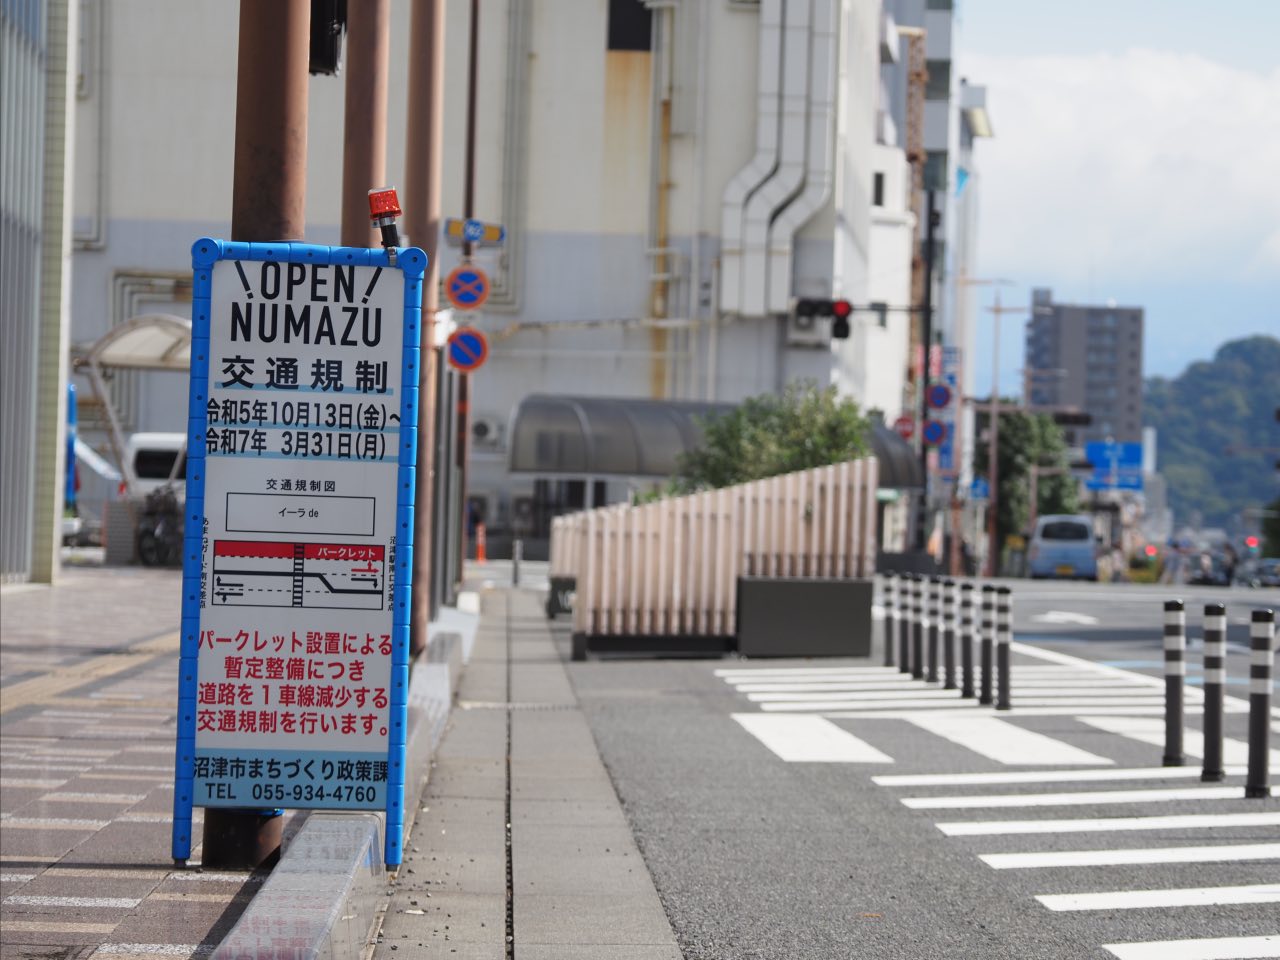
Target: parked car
<point>1063,546</point>
<point>155,457</point>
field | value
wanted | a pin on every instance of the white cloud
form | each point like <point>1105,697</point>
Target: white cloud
<point>1134,168</point>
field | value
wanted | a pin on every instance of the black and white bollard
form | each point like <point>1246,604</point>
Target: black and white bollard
<point>907,614</point>
<point>890,616</point>
<point>934,625</point>
<point>1004,637</point>
<point>1261,659</point>
<point>1215,679</point>
<point>988,631</point>
<point>949,601</point>
<point>917,631</point>
<point>1175,672</point>
<point>968,628</point>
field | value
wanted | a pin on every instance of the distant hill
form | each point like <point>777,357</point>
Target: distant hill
<point>1207,419</point>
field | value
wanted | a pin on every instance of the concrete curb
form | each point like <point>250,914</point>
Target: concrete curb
<point>322,900</point>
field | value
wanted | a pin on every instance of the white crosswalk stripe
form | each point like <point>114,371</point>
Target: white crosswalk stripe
<point>820,714</point>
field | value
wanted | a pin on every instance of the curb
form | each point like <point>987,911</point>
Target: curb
<point>324,897</point>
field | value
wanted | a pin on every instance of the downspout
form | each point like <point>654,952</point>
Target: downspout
<point>819,170</point>
<point>659,283</point>
<point>786,183</point>
<point>699,190</point>
<point>762,165</point>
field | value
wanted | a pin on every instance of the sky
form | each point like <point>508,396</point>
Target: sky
<point>1136,158</point>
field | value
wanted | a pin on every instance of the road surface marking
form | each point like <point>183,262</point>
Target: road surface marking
<point>1220,948</point>
<point>131,950</point>
<point>1003,742</point>
<point>122,903</point>
<point>1041,776</point>
<point>1084,798</point>
<point>1064,616</point>
<point>40,926</point>
<point>1198,821</point>
<point>16,782</point>
<point>809,740</point>
<point>1142,899</point>
<point>823,706</point>
<point>1065,705</point>
<point>8,877</point>
<point>50,823</point>
<point>961,709</point>
<point>742,673</point>
<point>1118,858</point>
<point>1152,732</point>
<point>67,797</point>
<point>856,695</point>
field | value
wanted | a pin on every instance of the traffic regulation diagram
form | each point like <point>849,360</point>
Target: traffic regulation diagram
<point>263,573</point>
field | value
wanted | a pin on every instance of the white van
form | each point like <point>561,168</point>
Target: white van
<point>155,457</point>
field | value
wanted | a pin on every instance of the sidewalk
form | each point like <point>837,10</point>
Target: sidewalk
<point>518,752</point>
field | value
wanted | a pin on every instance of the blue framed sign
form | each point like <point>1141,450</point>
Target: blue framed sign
<point>302,451</point>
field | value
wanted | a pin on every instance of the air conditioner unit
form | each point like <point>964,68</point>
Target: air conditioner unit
<point>808,331</point>
<point>487,432</point>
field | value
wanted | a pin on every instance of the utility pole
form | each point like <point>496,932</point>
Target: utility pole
<point>468,212</point>
<point>926,338</point>
<point>422,165</point>
<point>364,134</point>
<point>993,435</point>
<point>268,204</point>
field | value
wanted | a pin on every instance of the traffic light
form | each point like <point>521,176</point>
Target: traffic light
<point>1072,418</point>
<point>837,311</point>
<point>1251,544</point>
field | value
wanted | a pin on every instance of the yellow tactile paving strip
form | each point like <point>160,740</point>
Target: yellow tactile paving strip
<point>45,688</point>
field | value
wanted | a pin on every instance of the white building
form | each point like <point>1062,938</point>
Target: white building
<point>670,176</point>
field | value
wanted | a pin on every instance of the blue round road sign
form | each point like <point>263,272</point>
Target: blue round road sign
<point>933,431</point>
<point>467,287</point>
<point>467,349</point>
<point>473,231</point>
<point>939,395</point>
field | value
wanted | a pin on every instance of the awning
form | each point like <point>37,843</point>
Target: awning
<point>565,436</point>
<point>157,341</point>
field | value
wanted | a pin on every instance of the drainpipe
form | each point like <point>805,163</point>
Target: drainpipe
<point>819,175</point>
<point>659,285</point>
<point>699,188</point>
<point>762,165</point>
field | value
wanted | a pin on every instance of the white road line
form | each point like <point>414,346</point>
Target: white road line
<point>43,784</point>
<point>1152,732</point>
<point>8,877</point>
<point>809,740</point>
<point>183,950</point>
<point>1062,710</point>
<point>1082,704</point>
<point>1041,776</point>
<point>741,672</point>
<point>67,797</point>
<point>887,691</point>
<point>1219,948</point>
<point>822,706</point>
<point>1198,821</point>
<point>1003,742</point>
<point>1143,899</point>
<point>1117,858</point>
<point>836,686</point>
<point>1083,798</point>
<point>51,823</point>
<point>123,903</point>
<point>853,696</point>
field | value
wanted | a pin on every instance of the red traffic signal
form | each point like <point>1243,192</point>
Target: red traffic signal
<point>1251,542</point>
<point>1151,550</point>
<point>837,311</point>
<point>841,309</point>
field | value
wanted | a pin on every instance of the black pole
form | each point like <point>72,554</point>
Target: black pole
<point>1215,677</point>
<point>926,337</point>
<point>1261,638</point>
<point>1004,637</point>
<point>890,615</point>
<point>905,606</point>
<point>988,631</point>
<point>1175,669</point>
<point>935,618</point>
<point>948,634</point>
<point>917,629</point>
<point>967,630</point>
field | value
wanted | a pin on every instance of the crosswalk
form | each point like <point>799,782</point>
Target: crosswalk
<point>1055,813</point>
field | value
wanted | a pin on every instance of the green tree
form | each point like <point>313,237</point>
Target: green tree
<point>772,434</point>
<point>1027,439</point>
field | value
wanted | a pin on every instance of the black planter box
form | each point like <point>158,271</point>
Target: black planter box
<point>804,617</point>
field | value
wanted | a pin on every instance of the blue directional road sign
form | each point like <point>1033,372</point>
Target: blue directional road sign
<point>1116,466</point>
<point>980,489</point>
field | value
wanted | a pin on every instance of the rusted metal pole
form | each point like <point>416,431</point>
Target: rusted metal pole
<point>268,203</point>
<point>424,136</point>
<point>364,132</point>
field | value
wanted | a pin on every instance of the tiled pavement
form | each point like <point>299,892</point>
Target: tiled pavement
<point>88,674</point>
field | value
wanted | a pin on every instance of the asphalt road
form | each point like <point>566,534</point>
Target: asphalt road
<point>758,852</point>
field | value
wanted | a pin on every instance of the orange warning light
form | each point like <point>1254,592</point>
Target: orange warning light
<point>383,204</point>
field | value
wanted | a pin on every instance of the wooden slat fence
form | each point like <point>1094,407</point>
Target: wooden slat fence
<point>671,568</point>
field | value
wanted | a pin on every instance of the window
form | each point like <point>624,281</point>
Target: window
<point>935,170</point>
<point>877,190</point>
<point>938,86</point>
<point>939,4</point>
<point>1064,530</point>
<point>630,25</point>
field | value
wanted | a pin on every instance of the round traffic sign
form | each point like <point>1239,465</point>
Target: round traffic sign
<point>467,349</point>
<point>905,427</point>
<point>933,431</point>
<point>467,287</point>
<point>473,231</point>
<point>938,395</point>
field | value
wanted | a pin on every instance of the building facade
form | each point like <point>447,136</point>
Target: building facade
<point>1087,358</point>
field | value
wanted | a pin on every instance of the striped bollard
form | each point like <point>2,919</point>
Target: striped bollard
<point>1261,659</point>
<point>967,630</point>
<point>1004,636</point>
<point>1175,671</point>
<point>890,616</point>
<point>949,600</point>
<point>917,630</point>
<point>988,629</point>
<point>906,615</point>
<point>935,622</point>
<point>1215,679</point>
